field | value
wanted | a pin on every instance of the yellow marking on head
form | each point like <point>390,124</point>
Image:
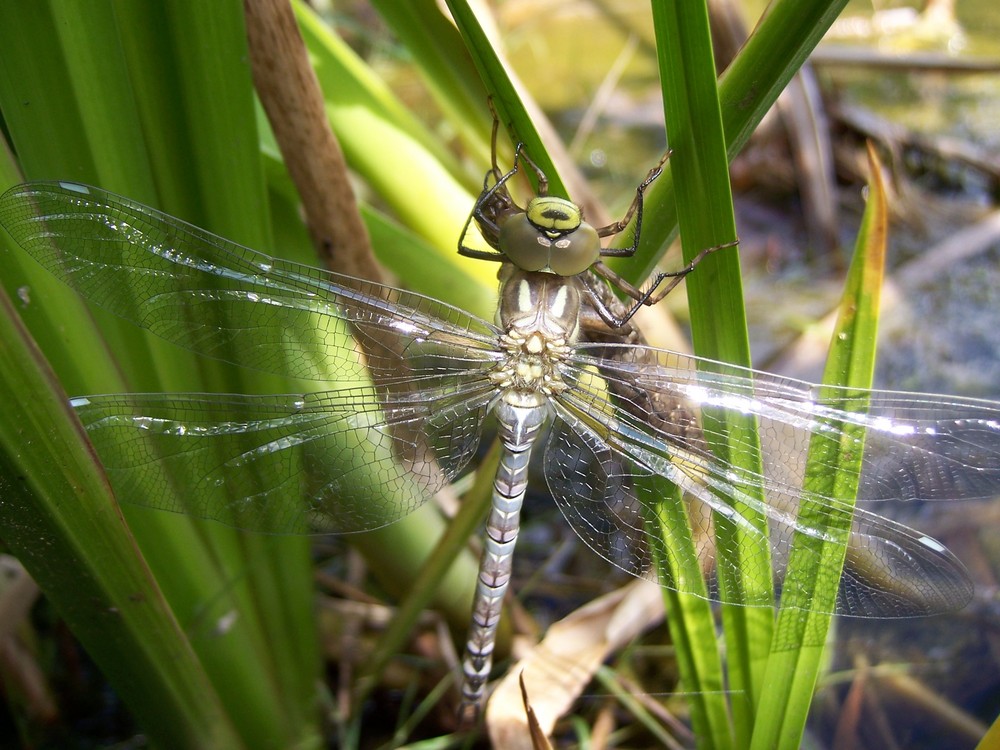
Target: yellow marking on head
<point>552,214</point>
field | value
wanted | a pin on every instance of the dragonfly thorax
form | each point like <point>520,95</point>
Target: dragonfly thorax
<point>549,236</point>
<point>539,314</point>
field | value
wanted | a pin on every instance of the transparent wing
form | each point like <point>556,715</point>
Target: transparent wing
<point>650,414</point>
<point>412,372</point>
<point>228,302</point>
<point>334,462</point>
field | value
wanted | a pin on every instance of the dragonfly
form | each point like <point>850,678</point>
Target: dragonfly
<point>404,384</point>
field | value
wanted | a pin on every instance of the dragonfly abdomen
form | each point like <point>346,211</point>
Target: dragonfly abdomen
<point>518,427</point>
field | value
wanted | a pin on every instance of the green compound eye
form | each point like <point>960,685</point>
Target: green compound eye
<point>575,253</point>
<point>523,244</point>
<point>550,236</point>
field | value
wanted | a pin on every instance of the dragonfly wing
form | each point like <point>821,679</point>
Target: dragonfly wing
<point>646,415</point>
<point>891,570</point>
<point>334,462</point>
<point>917,447</point>
<point>228,302</point>
<point>598,491</point>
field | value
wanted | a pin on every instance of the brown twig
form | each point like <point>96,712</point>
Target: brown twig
<point>290,92</point>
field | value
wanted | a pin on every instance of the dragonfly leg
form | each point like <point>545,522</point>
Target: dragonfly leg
<point>635,209</point>
<point>493,204</point>
<point>652,294</point>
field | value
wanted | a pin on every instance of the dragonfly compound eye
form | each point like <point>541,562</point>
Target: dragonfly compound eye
<point>550,236</point>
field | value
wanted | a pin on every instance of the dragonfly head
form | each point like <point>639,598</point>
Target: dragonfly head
<point>551,236</point>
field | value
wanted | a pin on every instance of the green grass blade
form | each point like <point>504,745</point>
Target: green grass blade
<point>704,209</point>
<point>692,624</point>
<point>991,740</point>
<point>777,47</point>
<point>748,88</point>
<point>59,518</point>
<point>447,68</point>
<point>506,99</point>
<point>409,169</point>
<point>221,186</point>
<point>119,99</point>
<point>832,469</point>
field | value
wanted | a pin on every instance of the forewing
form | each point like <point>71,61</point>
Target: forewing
<point>333,462</point>
<point>917,446</point>
<point>646,414</point>
<point>228,302</point>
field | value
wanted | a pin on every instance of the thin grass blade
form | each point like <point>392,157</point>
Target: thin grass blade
<point>832,469</point>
